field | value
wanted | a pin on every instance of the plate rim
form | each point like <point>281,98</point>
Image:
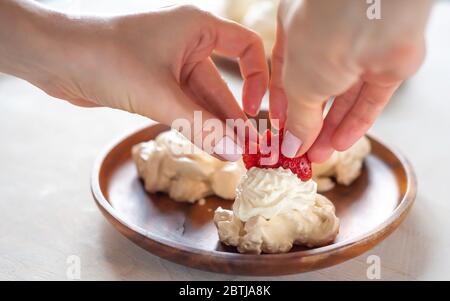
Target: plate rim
<point>378,233</point>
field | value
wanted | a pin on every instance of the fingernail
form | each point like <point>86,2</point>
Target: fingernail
<point>227,149</point>
<point>291,145</point>
<point>253,110</point>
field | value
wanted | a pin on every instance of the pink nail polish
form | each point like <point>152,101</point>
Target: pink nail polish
<point>227,149</point>
<point>291,145</point>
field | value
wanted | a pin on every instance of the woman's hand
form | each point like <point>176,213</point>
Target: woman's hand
<point>331,48</point>
<point>155,64</point>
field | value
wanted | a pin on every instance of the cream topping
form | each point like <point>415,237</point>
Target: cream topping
<point>268,192</point>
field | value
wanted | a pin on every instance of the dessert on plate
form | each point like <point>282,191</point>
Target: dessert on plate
<point>342,167</point>
<point>171,163</point>
<point>273,211</point>
<point>191,177</point>
<point>277,204</point>
<point>276,207</point>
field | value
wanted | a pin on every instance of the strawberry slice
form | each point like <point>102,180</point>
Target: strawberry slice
<point>250,159</point>
<point>300,166</point>
<point>266,158</point>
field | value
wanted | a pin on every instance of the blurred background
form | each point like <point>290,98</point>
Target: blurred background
<point>48,147</point>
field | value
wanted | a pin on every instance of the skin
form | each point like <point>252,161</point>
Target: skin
<point>156,64</point>
<point>330,49</point>
<point>323,49</point>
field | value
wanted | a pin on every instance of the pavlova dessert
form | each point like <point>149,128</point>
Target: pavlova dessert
<point>276,206</point>
<point>342,167</point>
<point>192,176</point>
<point>172,164</point>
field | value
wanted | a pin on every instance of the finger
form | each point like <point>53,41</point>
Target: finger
<point>322,148</point>
<point>371,101</point>
<point>234,40</point>
<point>83,103</point>
<point>201,127</point>
<point>303,124</point>
<point>309,81</point>
<point>278,100</point>
<point>206,83</point>
<point>398,64</point>
<point>209,90</point>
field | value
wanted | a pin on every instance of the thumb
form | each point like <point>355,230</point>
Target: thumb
<point>303,125</point>
<point>277,97</point>
<point>309,82</point>
<point>307,91</point>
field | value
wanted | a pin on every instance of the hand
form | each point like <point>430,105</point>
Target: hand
<point>331,48</point>
<point>155,64</point>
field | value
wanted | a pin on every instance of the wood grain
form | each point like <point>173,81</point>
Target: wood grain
<point>370,209</point>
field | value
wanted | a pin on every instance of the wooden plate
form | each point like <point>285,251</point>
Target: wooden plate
<point>369,210</point>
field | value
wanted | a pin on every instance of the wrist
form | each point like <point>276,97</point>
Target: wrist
<point>28,40</point>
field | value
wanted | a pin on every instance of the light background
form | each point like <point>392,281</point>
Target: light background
<point>47,148</point>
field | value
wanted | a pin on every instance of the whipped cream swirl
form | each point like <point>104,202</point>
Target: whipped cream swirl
<point>268,192</point>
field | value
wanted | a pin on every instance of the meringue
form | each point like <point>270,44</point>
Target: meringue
<point>171,163</point>
<point>273,211</point>
<point>344,166</point>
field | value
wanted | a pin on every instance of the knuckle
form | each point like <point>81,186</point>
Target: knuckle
<point>372,102</point>
<point>348,100</point>
<point>362,120</point>
<point>188,8</point>
<point>319,73</point>
<point>254,37</point>
<point>402,59</point>
<point>278,57</point>
<point>300,126</point>
<point>193,12</point>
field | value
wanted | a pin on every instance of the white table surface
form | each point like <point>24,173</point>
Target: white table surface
<point>47,148</point>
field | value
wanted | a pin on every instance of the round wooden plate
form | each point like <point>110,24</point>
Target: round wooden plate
<point>370,209</point>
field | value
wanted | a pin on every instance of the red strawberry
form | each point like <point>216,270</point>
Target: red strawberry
<point>301,166</point>
<point>265,160</point>
<point>250,159</point>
